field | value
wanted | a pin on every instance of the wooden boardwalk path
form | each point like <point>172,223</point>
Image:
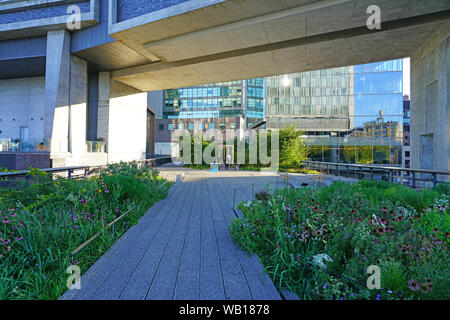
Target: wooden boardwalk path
<point>182,249</point>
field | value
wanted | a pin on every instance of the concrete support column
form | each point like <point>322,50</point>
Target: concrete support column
<point>127,126</point>
<point>78,107</point>
<point>65,101</point>
<point>57,83</point>
<point>122,119</point>
<point>430,96</point>
<point>104,79</point>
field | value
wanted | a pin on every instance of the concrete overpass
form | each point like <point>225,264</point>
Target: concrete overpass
<point>137,46</point>
<point>231,40</point>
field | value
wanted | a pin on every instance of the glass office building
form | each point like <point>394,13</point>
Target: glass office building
<point>350,114</point>
<point>210,103</point>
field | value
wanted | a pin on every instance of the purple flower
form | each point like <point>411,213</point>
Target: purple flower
<point>72,215</point>
<point>413,285</point>
<point>75,227</point>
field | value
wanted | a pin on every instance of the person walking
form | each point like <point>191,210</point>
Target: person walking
<point>228,162</point>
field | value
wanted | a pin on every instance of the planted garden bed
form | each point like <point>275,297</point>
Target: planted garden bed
<point>42,223</point>
<point>321,243</point>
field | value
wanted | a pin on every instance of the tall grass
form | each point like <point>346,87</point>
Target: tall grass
<point>320,243</point>
<point>44,222</point>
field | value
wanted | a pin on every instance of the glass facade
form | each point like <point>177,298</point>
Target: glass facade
<point>233,99</point>
<point>350,114</point>
<point>255,100</point>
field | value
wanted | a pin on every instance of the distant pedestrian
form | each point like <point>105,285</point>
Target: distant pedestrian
<point>228,162</point>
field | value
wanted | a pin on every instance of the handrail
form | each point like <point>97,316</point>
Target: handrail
<point>374,169</point>
<point>73,168</point>
<point>378,167</point>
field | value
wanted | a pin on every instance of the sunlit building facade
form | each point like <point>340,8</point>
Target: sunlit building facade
<point>350,114</point>
<point>233,105</point>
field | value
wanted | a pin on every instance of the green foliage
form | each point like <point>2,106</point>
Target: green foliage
<point>393,276</point>
<point>293,151</point>
<point>319,243</point>
<point>42,223</point>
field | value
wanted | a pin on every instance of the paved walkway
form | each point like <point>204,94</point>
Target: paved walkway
<point>182,249</point>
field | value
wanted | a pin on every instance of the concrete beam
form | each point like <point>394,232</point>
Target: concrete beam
<point>205,69</point>
<point>248,22</point>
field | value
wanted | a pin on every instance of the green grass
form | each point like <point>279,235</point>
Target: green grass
<point>402,231</point>
<point>44,222</point>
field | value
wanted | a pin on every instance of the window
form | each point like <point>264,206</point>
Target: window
<point>161,127</point>
<point>211,125</point>
<point>232,125</point>
<point>170,127</point>
<point>191,126</point>
<point>200,126</point>
<point>222,125</point>
<point>181,126</point>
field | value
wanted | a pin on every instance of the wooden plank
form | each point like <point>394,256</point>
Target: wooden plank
<point>188,280</point>
<point>165,278</point>
<point>142,275</point>
<point>211,281</point>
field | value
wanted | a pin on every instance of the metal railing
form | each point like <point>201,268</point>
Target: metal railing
<point>373,172</point>
<point>96,146</point>
<point>80,171</point>
<point>9,145</point>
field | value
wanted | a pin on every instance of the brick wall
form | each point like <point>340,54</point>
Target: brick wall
<point>127,9</point>
<point>23,160</point>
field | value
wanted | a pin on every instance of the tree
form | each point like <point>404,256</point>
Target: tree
<point>293,150</point>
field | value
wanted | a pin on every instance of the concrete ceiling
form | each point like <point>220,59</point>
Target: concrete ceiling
<point>239,39</point>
